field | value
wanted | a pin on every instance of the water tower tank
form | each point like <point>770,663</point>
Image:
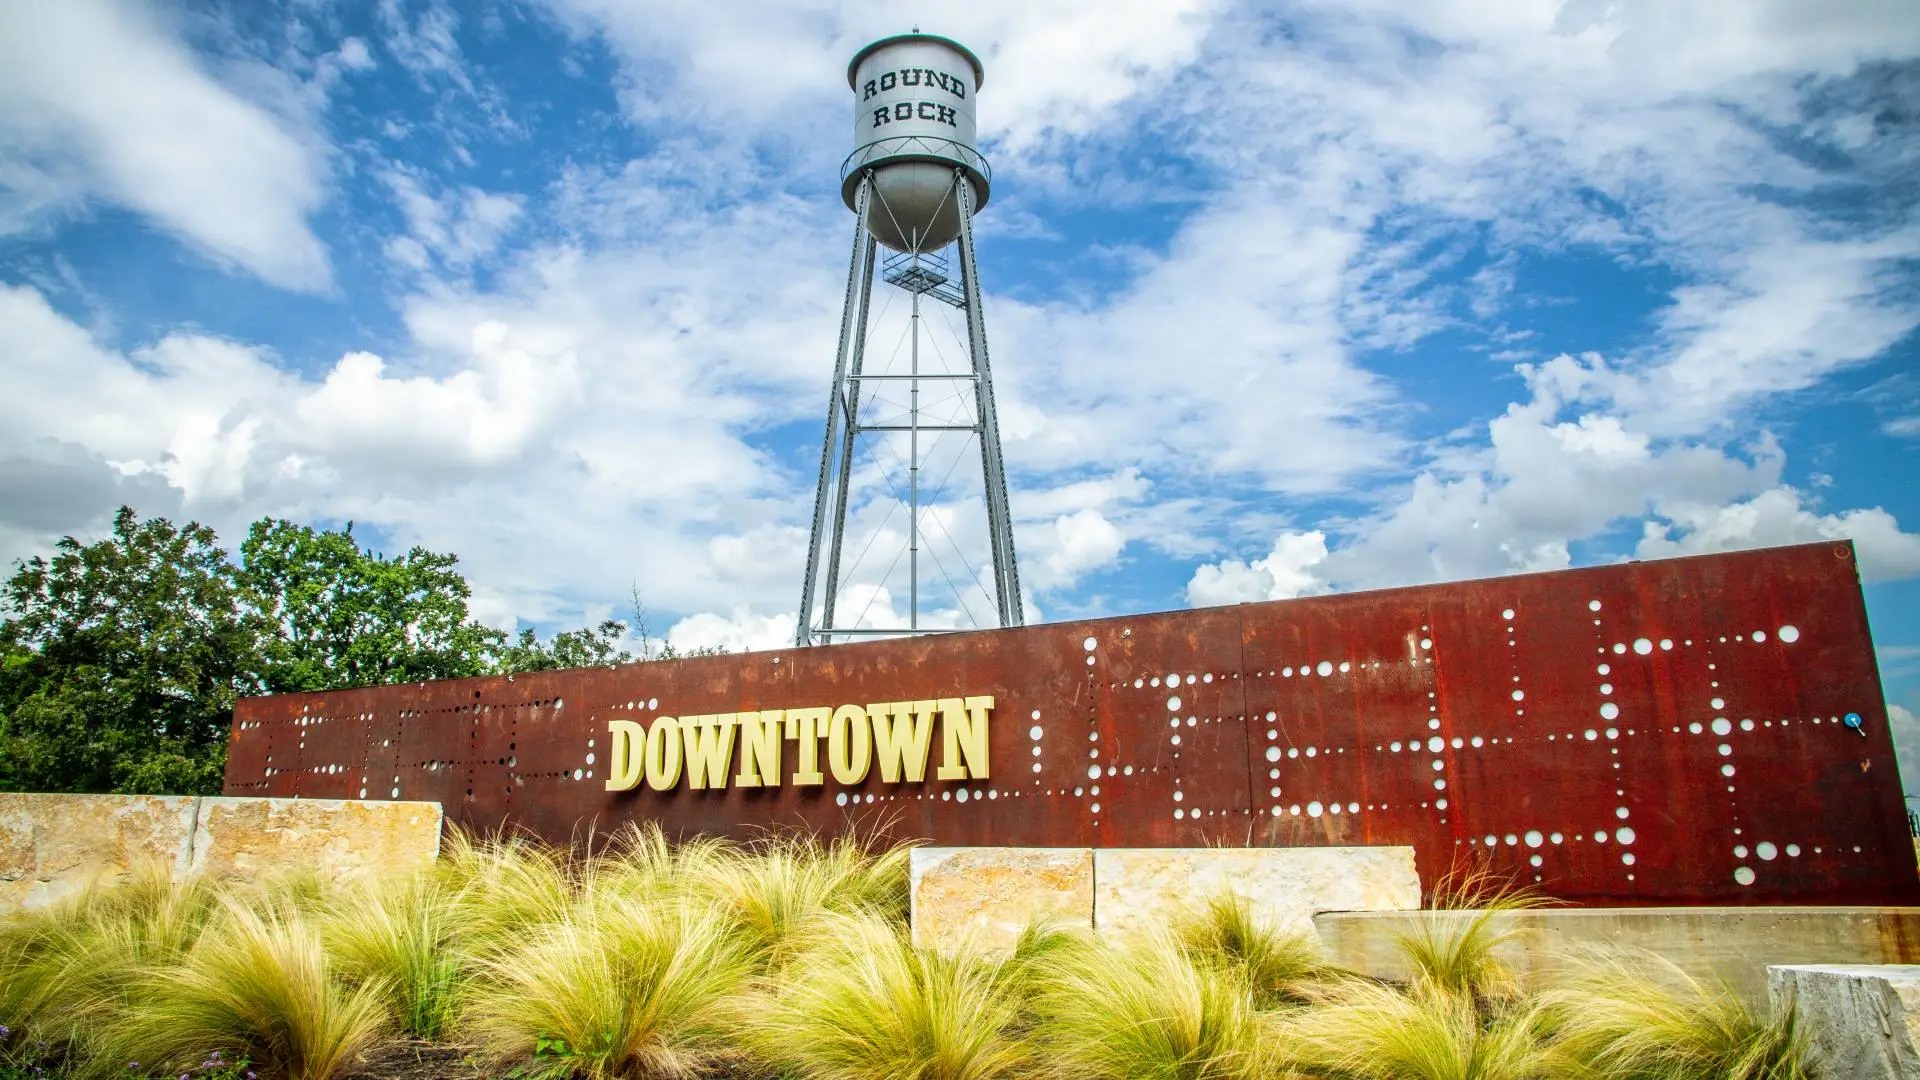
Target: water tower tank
<point>913,126</point>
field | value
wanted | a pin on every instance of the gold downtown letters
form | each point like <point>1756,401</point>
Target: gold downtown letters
<point>896,736</point>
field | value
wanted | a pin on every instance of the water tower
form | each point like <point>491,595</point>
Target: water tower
<point>913,182</point>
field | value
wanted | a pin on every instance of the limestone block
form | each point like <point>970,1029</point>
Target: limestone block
<point>1864,1019</point>
<point>337,839</point>
<point>982,898</point>
<point>1731,945</point>
<point>1137,889</point>
<point>52,846</point>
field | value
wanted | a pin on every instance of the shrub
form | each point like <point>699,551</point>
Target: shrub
<point>1624,1016</point>
<point>254,985</point>
<point>618,988</point>
<point>868,1004</point>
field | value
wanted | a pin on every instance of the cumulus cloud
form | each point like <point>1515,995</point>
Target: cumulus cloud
<point>1553,473</point>
<point>1905,728</point>
<point>615,367</point>
<point>1056,67</point>
<point>1779,516</point>
<point>99,101</point>
<point>1284,574</point>
<point>741,631</point>
<point>228,431</point>
<point>1080,542</point>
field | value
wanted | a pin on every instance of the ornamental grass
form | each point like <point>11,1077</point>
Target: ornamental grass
<point>1273,967</point>
<point>1359,1029</point>
<point>397,934</point>
<point>254,986</point>
<point>1629,1015</point>
<point>863,1002</point>
<point>1454,945</point>
<point>634,958</point>
<point>615,988</point>
<point>1145,1009</point>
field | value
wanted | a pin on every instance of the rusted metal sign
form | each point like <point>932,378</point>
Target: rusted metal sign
<point>1700,730</point>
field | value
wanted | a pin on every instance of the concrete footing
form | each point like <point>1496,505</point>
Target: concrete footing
<point>1864,1020</point>
<point>1734,945</point>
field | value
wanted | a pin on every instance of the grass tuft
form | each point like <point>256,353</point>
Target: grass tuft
<point>1453,944</point>
<point>868,1004</point>
<point>1627,1015</point>
<point>397,934</point>
<point>791,956</point>
<point>66,971</point>
<point>1271,965</point>
<point>776,892</point>
<point>258,986</point>
<point>1363,1030</point>
<point>1147,1011</point>
<point>504,886</point>
<point>617,988</point>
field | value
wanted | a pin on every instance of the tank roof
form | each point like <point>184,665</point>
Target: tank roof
<point>979,72</point>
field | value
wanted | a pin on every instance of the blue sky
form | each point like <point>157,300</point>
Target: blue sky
<point>1283,297</point>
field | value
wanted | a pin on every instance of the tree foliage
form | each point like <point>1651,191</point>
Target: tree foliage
<point>589,646</point>
<point>121,660</point>
<point>337,616</point>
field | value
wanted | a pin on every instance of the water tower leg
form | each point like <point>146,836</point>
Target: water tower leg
<point>837,406</point>
<point>1006,574</point>
<point>856,366</point>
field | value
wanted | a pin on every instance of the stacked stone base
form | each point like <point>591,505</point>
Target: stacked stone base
<point>981,898</point>
<point>52,846</point>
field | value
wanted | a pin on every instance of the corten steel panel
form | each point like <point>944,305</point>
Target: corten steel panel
<point>1648,733</point>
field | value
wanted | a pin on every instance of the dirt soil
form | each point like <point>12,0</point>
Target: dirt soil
<point>420,1061</point>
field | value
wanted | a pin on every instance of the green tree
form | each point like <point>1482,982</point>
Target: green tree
<point>341,616</point>
<point>589,646</point>
<point>120,662</point>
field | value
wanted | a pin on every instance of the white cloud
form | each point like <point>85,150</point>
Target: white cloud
<point>353,55</point>
<point>1224,357</point>
<point>619,395</point>
<point>1779,516</point>
<point>233,434</point>
<point>1079,543</point>
<point>479,416</point>
<point>98,100</point>
<point>1286,573</point>
<point>742,631</point>
<point>425,47</point>
<point>461,226</point>
<point>1552,474</point>
<point>1053,66</point>
<point>1905,729</point>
